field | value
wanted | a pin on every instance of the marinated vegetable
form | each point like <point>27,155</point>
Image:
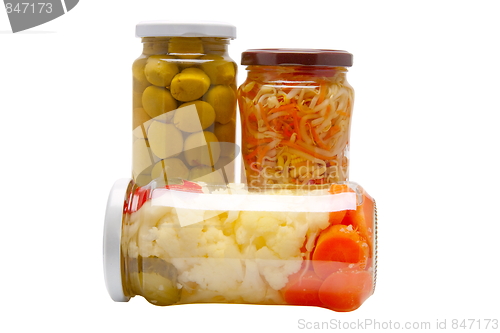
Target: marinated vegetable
<point>187,82</point>
<point>199,117</point>
<point>246,255</point>
<point>157,101</point>
<point>190,84</point>
<point>159,71</point>
<point>296,107</point>
<point>296,134</point>
<point>202,148</point>
<point>223,99</point>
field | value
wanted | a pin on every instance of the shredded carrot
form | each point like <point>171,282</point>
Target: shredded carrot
<point>287,130</point>
<point>342,113</point>
<point>332,131</point>
<point>296,146</point>
<point>322,93</point>
<point>255,141</point>
<point>284,107</point>
<point>318,140</point>
<point>296,124</point>
<point>263,113</point>
<point>262,154</point>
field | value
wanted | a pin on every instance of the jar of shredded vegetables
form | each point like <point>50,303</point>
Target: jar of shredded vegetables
<point>295,107</point>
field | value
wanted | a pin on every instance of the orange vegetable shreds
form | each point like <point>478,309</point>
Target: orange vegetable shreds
<point>339,247</point>
<point>302,289</point>
<point>346,291</point>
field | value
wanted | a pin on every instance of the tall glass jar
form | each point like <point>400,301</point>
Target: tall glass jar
<point>184,102</point>
<point>296,108</point>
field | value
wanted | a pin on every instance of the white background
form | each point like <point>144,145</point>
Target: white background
<point>425,143</point>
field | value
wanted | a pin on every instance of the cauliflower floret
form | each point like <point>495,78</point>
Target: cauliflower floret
<point>286,243</point>
<point>146,242</point>
<point>274,269</point>
<point>253,288</point>
<point>254,224</point>
<point>317,220</point>
<point>207,273</point>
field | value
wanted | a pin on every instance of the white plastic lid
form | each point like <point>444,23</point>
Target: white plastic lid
<point>112,240</point>
<point>185,29</point>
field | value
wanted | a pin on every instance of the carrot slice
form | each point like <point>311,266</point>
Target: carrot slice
<point>337,217</point>
<point>302,289</point>
<point>346,291</point>
<point>362,219</point>
<point>339,247</point>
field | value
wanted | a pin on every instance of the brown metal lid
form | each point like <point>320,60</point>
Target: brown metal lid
<point>307,57</point>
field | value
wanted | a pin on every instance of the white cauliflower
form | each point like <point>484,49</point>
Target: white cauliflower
<point>233,256</point>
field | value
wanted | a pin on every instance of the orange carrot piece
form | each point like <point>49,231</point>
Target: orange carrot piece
<point>358,220</point>
<point>346,291</point>
<point>338,247</point>
<point>302,289</point>
<point>336,217</point>
<point>339,188</point>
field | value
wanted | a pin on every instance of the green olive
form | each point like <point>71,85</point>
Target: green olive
<point>157,101</point>
<point>165,140</point>
<point>138,70</point>
<point>226,132</point>
<point>141,157</point>
<point>160,71</point>
<point>201,148</point>
<point>169,169</point>
<point>140,122</point>
<point>189,85</point>
<point>194,116</point>
<point>223,99</point>
<point>219,70</point>
<point>137,99</point>
<point>186,47</point>
<point>155,45</point>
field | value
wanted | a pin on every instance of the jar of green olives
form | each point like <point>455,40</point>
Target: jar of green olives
<point>184,103</point>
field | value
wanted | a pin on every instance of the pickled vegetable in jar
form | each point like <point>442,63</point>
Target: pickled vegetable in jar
<point>296,107</point>
<point>285,246</point>
<point>184,103</point>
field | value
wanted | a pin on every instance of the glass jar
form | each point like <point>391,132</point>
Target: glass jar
<point>296,108</point>
<point>192,243</point>
<point>184,102</point>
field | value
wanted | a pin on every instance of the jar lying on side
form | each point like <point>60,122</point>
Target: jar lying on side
<point>189,243</point>
<point>184,102</point>
<point>296,108</point>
